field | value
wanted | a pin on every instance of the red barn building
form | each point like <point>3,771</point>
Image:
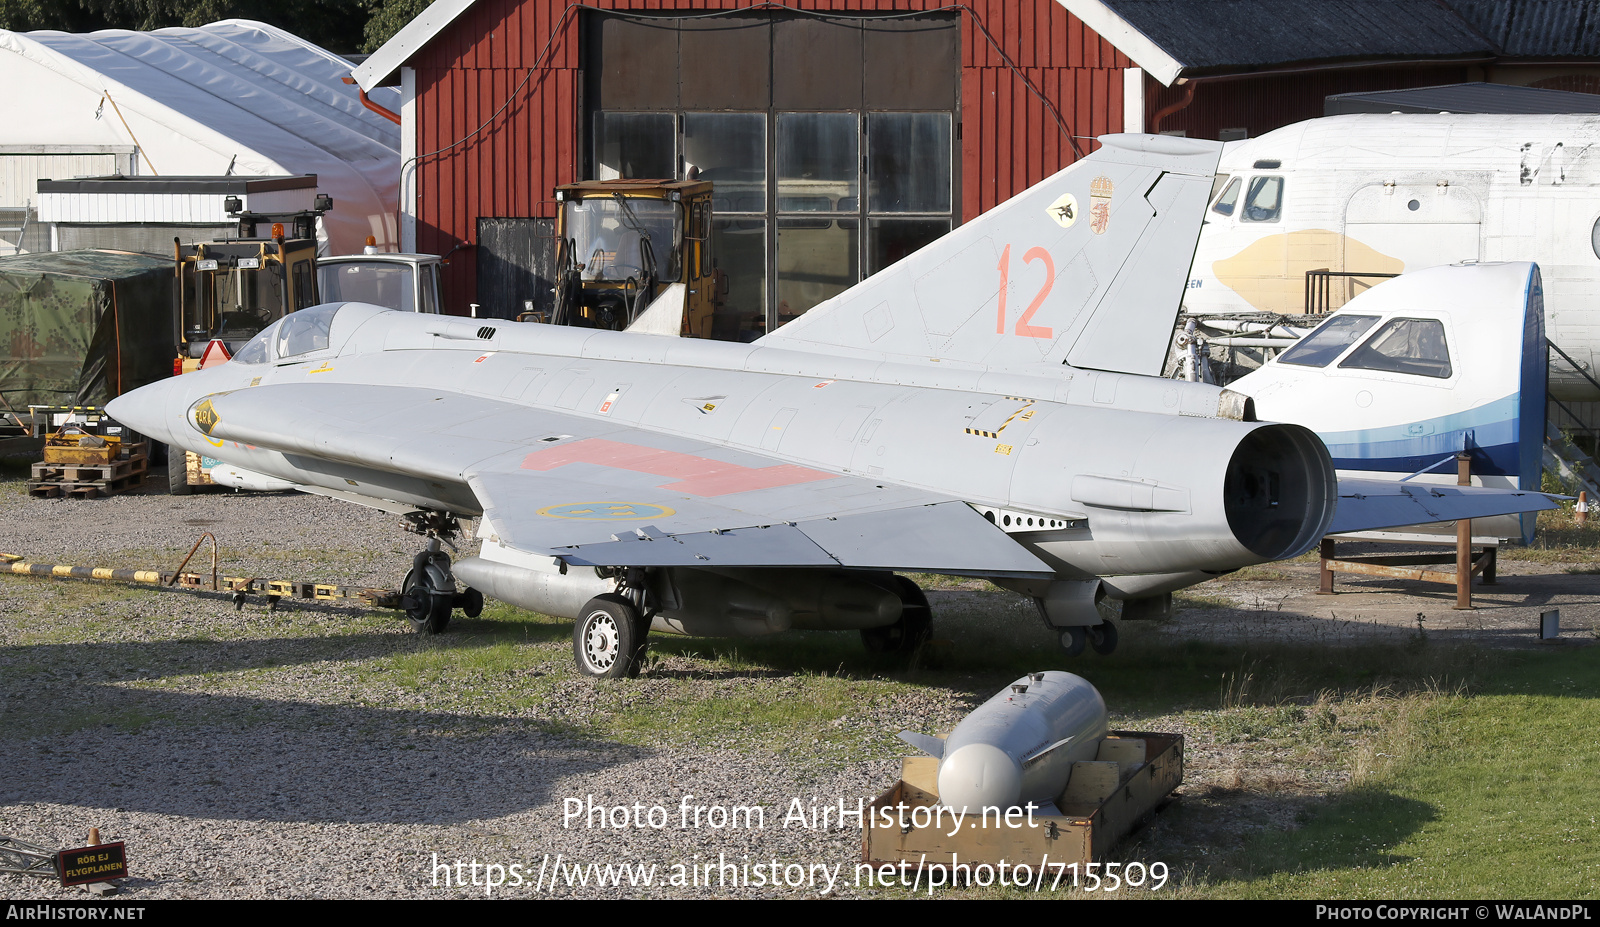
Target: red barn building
<point>842,134</point>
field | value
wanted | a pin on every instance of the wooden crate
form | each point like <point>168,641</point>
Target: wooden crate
<point>1104,801</point>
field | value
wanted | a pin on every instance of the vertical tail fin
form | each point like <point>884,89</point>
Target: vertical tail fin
<point>1085,268</point>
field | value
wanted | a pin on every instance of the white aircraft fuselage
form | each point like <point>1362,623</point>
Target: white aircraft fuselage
<point>1383,194</point>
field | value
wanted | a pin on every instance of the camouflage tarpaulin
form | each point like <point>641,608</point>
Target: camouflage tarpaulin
<point>83,327</point>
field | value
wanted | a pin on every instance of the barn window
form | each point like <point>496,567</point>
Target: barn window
<point>635,145</point>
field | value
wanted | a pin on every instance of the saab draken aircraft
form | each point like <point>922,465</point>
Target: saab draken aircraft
<point>989,406</point>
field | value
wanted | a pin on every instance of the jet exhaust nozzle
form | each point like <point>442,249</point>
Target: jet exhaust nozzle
<point>1280,491</point>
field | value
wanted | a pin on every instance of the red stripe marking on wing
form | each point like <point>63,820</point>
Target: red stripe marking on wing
<point>696,476</point>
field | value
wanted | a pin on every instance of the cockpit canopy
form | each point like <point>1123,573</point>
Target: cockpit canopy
<point>310,334</point>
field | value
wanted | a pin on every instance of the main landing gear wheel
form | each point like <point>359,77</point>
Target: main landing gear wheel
<point>428,594</point>
<point>608,639</point>
<point>913,628</point>
<point>1103,637</point>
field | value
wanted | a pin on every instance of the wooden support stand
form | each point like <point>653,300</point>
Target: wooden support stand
<point>1395,567</point>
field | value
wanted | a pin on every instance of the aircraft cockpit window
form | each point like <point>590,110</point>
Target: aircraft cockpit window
<point>305,331</point>
<point>1229,198</point>
<point>256,351</point>
<point>260,348</point>
<point>1321,347</point>
<point>1414,346</point>
<point>1264,203</point>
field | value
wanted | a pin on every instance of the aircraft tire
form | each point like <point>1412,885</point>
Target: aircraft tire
<point>1073,640</point>
<point>608,638</point>
<point>641,641</point>
<point>178,472</point>
<point>470,601</point>
<point>1103,637</point>
<point>432,595</point>
<point>913,628</point>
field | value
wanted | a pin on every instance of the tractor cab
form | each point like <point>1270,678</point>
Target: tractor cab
<point>623,243</point>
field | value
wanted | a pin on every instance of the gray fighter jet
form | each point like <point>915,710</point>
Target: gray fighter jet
<point>988,406</point>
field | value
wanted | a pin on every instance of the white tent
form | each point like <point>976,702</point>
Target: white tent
<point>235,97</point>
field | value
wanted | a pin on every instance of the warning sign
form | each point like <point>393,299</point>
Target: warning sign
<point>92,864</point>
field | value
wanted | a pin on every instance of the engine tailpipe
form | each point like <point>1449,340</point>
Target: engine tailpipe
<point>1280,491</point>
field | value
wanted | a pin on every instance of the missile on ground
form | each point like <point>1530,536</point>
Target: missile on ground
<point>1019,746</point>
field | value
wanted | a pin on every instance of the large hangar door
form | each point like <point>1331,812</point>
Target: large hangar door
<point>516,266</point>
<point>830,140</point>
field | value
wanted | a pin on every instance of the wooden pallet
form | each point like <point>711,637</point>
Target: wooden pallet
<point>89,490</point>
<point>89,473</point>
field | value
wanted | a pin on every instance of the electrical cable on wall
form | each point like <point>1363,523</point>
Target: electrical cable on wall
<point>539,65</point>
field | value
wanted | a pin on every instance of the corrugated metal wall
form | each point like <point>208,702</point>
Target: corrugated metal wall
<point>1261,104</point>
<point>20,171</point>
<point>505,138</point>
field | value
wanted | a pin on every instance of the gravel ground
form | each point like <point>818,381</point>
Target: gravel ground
<point>292,783</point>
<point>251,754</point>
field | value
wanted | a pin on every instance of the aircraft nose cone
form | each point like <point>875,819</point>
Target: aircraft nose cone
<point>979,776</point>
<point>146,409</point>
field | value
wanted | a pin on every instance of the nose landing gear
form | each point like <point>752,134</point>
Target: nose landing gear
<point>428,595</point>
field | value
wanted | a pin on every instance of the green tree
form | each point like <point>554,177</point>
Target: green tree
<point>337,25</point>
<point>29,15</point>
<point>388,17</point>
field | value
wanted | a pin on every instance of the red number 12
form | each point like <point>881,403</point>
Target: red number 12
<point>1023,328</point>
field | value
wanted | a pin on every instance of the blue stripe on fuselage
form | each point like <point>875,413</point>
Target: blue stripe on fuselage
<point>1489,431</point>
